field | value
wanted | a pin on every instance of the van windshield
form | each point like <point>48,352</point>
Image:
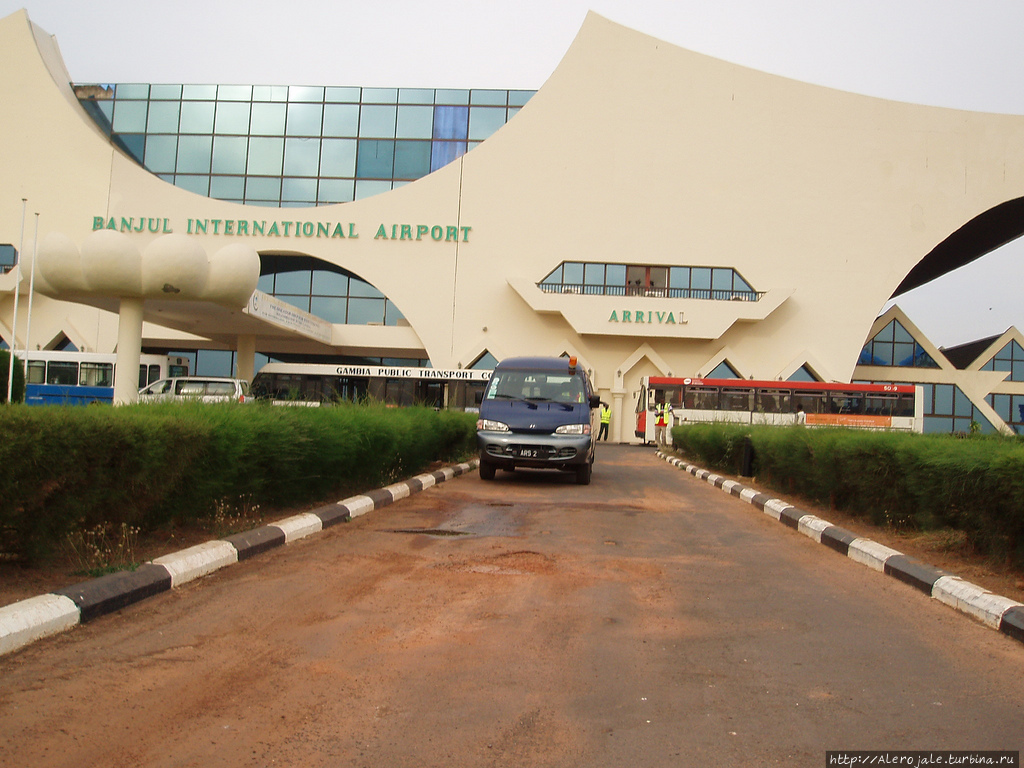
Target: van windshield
<point>535,386</point>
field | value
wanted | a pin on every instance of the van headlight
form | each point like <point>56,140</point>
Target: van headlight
<point>486,425</point>
<point>573,429</point>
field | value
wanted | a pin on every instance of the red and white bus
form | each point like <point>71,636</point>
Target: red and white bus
<point>860,406</point>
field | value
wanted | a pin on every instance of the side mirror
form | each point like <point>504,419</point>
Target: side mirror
<point>595,401</point>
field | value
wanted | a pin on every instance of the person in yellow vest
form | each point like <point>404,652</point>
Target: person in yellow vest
<point>606,419</point>
<point>662,416</point>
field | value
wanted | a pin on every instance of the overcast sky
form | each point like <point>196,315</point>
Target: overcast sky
<point>965,54</point>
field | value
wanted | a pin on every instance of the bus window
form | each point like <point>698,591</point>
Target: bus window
<point>847,402</point>
<point>701,398</point>
<point>96,375</point>
<point>812,402</point>
<point>736,399</point>
<point>773,400</point>
<point>904,406</point>
<point>880,405</point>
<point>62,372</point>
<point>36,372</point>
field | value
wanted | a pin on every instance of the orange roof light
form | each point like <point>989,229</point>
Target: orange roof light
<point>572,364</point>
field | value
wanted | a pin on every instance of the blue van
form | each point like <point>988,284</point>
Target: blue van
<point>538,412</point>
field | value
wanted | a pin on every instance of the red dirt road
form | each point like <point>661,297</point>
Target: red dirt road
<point>646,619</point>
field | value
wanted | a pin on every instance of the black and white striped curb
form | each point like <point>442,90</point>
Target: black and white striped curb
<point>28,620</point>
<point>993,610</point>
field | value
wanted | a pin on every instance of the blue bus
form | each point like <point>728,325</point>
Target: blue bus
<point>82,378</point>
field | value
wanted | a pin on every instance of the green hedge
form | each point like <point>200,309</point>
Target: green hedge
<point>923,482</point>
<point>18,387</point>
<point>71,468</point>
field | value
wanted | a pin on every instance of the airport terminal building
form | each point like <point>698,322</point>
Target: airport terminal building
<point>650,210</point>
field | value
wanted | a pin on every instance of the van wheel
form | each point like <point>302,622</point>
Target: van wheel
<point>486,470</point>
<point>583,473</point>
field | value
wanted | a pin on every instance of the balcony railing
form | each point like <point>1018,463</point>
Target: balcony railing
<point>706,294</point>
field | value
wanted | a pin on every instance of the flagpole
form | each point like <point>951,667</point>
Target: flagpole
<point>31,290</point>
<point>14,317</point>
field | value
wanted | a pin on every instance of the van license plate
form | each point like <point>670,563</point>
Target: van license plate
<point>531,453</point>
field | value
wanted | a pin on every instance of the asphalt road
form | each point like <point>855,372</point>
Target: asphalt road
<point>646,619</point>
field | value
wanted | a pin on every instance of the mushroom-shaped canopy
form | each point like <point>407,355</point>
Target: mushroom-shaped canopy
<point>234,273</point>
<point>112,264</point>
<point>172,266</point>
<point>60,266</point>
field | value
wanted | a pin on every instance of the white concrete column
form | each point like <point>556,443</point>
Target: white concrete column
<point>245,357</point>
<point>617,415</point>
<point>129,352</point>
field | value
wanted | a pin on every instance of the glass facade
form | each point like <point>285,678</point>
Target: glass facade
<point>894,346</point>
<point>288,146</point>
<point>947,409</point>
<point>723,371</point>
<point>1010,409</point>
<point>325,290</point>
<point>1009,358</point>
<point>599,279</point>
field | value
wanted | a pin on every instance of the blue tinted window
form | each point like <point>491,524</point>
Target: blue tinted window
<point>161,152</point>
<point>364,311</point>
<point>492,98</point>
<point>270,93</point>
<point>416,96</point>
<point>262,189</point>
<point>306,93</point>
<point>232,117</point>
<point>380,95</point>
<point>302,157</point>
<point>164,91</point>
<point>163,117</point>
<point>265,156</point>
<point>199,92</point>
<point>336,191</point>
<point>329,308</point>
<point>341,120</point>
<point>234,93</point>
<point>378,121</point>
<point>298,190</point>
<point>304,119</point>
<point>451,122</point>
<point>359,287</point>
<point>615,274</point>
<point>412,159</point>
<point>198,184</point>
<point>196,117</point>
<point>723,371</point>
<point>130,116</point>
<point>329,283</point>
<point>228,188</point>
<point>268,119</point>
<point>451,96</point>
<point>132,91</point>
<point>338,157</point>
<point>376,159</point>
<point>415,122</point>
<point>369,187</point>
<point>333,94</point>
<point>194,154</point>
<point>484,121</point>
<point>444,152</point>
<point>572,273</point>
<point>229,154</point>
